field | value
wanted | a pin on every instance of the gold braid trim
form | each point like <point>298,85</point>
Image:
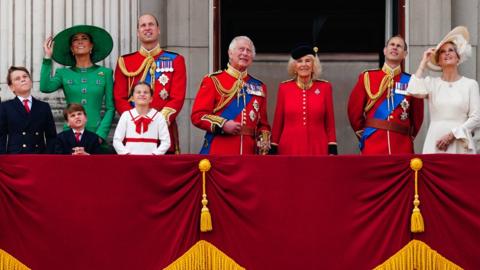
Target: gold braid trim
<point>214,120</point>
<point>226,94</point>
<point>147,65</point>
<point>387,83</point>
<point>167,112</point>
<point>123,68</point>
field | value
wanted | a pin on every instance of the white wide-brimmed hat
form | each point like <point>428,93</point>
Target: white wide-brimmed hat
<point>460,37</point>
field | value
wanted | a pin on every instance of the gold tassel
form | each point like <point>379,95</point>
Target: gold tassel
<point>416,220</point>
<point>8,262</point>
<point>417,255</point>
<point>204,256</point>
<point>205,217</point>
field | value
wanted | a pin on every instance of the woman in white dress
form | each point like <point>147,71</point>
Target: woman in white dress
<point>454,100</point>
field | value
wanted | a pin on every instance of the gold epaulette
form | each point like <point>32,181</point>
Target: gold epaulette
<point>372,69</point>
<point>289,80</point>
<point>321,80</point>
<point>214,73</point>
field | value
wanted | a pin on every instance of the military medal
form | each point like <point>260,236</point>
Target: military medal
<point>256,106</point>
<point>317,91</point>
<point>158,67</point>
<point>405,105</point>
<point>252,115</point>
<point>401,88</point>
<point>163,79</point>
<point>163,94</point>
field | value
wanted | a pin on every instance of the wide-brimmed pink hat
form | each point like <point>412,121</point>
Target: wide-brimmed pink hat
<point>460,37</point>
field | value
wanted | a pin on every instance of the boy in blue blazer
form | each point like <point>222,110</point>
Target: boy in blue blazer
<point>76,140</point>
<point>26,123</point>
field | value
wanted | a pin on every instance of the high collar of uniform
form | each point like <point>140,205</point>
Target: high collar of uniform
<point>236,73</point>
<point>391,71</point>
<point>152,52</point>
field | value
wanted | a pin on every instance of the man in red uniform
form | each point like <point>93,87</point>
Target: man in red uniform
<point>385,120</point>
<point>163,70</point>
<point>231,106</point>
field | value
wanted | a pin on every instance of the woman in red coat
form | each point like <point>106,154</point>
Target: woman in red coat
<point>304,122</point>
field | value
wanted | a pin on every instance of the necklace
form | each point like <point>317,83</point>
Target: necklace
<point>451,82</point>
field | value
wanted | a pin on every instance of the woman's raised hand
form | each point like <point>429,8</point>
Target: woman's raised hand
<point>427,54</point>
<point>48,47</point>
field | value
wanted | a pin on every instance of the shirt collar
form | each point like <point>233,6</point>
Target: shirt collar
<point>78,130</point>
<point>29,98</point>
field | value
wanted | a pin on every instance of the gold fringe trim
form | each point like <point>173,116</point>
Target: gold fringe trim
<point>8,262</point>
<point>204,256</point>
<point>416,220</point>
<point>205,217</point>
<point>417,255</point>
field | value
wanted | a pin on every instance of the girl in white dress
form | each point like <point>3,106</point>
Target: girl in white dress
<point>454,100</point>
<point>141,130</point>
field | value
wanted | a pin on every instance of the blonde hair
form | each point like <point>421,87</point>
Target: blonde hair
<point>316,69</point>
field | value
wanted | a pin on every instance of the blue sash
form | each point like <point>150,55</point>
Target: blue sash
<point>231,111</point>
<point>165,57</point>
<point>382,111</point>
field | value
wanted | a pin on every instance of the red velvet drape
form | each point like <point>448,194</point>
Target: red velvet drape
<point>275,212</point>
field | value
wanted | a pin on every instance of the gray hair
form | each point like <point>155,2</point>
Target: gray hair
<point>233,44</point>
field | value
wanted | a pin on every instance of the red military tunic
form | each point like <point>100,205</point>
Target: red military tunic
<point>395,134</point>
<point>304,122</point>
<point>209,112</point>
<point>169,84</point>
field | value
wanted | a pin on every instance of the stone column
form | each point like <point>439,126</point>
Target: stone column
<point>185,28</point>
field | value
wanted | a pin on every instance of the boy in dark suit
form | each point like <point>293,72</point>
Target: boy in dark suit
<point>76,140</point>
<point>26,123</point>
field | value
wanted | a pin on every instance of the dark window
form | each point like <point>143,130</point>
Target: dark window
<point>334,26</point>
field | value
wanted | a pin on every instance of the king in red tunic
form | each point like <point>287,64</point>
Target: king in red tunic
<point>231,106</point>
<point>231,95</point>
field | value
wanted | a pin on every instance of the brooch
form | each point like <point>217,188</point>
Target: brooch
<point>252,115</point>
<point>256,106</point>
<point>163,79</point>
<point>405,105</point>
<point>163,94</point>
